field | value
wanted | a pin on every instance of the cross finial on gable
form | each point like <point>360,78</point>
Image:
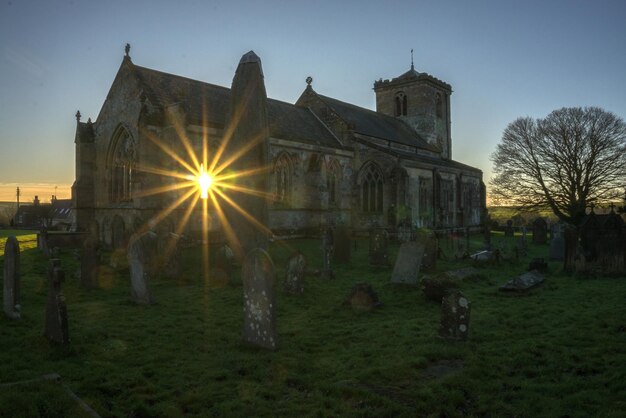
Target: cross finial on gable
<point>412,66</point>
<point>78,116</point>
<point>127,49</point>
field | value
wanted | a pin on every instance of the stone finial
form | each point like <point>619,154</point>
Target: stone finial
<point>78,115</point>
<point>127,50</point>
<point>309,80</point>
<point>412,66</point>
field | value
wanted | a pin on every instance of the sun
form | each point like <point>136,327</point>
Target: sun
<point>204,182</point>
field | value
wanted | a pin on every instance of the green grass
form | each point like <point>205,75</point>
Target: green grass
<point>559,350</point>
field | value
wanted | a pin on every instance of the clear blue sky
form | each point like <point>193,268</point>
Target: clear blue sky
<point>504,59</point>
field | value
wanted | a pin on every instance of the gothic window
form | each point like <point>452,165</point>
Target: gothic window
<point>401,104</point>
<point>439,106</point>
<point>425,196</point>
<point>371,189</point>
<point>332,178</point>
<point>122,166</point>
<point>447,201</point>
<point>398,184</point>
<point>282,173</point>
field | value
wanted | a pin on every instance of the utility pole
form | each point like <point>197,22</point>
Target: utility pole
<point>18,198</point>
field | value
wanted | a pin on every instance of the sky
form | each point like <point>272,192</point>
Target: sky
<point>504,60</point>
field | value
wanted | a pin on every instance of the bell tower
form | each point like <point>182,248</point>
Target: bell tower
<point>422,102</point>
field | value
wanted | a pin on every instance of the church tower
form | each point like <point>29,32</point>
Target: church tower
<point>420,100</point>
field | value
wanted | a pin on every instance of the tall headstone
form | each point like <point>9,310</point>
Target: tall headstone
<point>343,246</point>
<point>140,254</point>
<point>259,308</point>
<point>328,243</point>
<point>508,230</point>
<point>557,243</point>
<point>249,142</point>
<point>455,316</point>
<point>540,231</point>
<point>294,282</point>
<point>56,328</point>
<point>378,247</point>
<point>11,291</point>
<point>408,263</point>
<point>89,259</point>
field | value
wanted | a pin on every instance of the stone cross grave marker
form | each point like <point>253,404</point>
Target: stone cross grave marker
<point>408,263</point>
<point>56,328</point>
<point>343,247</point>
<point>294,282</point>
<point>540,231</point>
<point>378,248</point>
<point>259,309</point>
<point>328,243</point>
<point>455,316</point>
<point>139,255</point>
<point>11,291</point>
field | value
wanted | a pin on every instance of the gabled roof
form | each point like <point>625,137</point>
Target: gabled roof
<point>378,125</point>
<point>205,103</point>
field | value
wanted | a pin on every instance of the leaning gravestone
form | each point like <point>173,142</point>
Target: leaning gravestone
<point>455,316</point>
<point>408,263</point>
<point>342,248</point>
<point>139,255</point>
<point>328,242</point>
<point>523,282</point>
<point>296,266</point>
<point>540,231</point>
<point>56,329</point>
<point>259,308</point>
<point>11,292</point>
<point>378,248</point>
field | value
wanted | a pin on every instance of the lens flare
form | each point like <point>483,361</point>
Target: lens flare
<point>205,180</point>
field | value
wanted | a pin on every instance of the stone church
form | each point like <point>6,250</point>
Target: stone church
<point>329,162</point>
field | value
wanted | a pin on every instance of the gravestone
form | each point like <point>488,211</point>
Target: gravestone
<point>171,254</point>
<point>327,253</point>
<point>570,235</point>
<point>408,263</point>
<point>540,231</point>
<point>11,290</point>
<point>523,282</point>
<point>89,260</point>
<point>362,297</point>
<point>462,273</point>
<point>56,328</point>
<point>224,263</point>
<point>342,248</point>
<point>378,255</point>
<point>139,256</point>
<point>522,244</point>
<point>431,248</point>
<point>482,256</point>
<point>259,327</point>
<point>508,230</point>
<point>455,317</point>
<point>538,264</point>
<point>296,266</point>
<point>557,243</point>
<point>404,233</point>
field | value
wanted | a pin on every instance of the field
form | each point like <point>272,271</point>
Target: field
<point>556,351</point>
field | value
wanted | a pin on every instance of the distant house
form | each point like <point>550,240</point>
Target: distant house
<point>56,214</point>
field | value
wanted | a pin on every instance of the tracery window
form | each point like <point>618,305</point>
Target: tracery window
<point>282,173</point>
<point>398,184</point>
<point>372,189</point>
<point>401,104</point>
<point>122,166</point>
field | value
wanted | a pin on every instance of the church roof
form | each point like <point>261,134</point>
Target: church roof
<point>378,125</point>
<point>205,103</point>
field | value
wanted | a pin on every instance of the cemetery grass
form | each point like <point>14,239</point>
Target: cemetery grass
<point>557,350</point>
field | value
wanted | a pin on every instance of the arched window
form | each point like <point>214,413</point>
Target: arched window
<point>439,106</point>
<point>398,183</point>
<point>122,164</point>
<point>401,104</point>
<point>282,173</point>
<point>332,179</point>
<point>371,189</point>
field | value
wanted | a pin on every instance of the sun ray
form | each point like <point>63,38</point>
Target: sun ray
<point>160,171</point>
<point>156,219</point>
<point>228,230</point>
<point>169,152</point>
<point>239,153</point>
<point>234,121</point>
<point>241,210</point>
<point>167,188</point>
<point>242,189</point>
<point>244,173</point>
<point>181,226</point>
<point>182,136</point>
<point>205,240</point>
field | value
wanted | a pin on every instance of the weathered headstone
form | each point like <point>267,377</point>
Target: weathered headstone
<point>408,263</point>
<point>362,297</point>
<point>342,250</point>
<point>296,266</point>
<point>540,231</point>
<point>378,255</point>
<point>259,307</point>
<point>328,242</point>
<point>224,262</point>
<point>56,328</point>
<point>557,243</point>
<point>523,282</point>
<point>11,291</point>
<point>455,317</point>
<point>139,257</point>
<point>508,230</point>
<point>570,235</point>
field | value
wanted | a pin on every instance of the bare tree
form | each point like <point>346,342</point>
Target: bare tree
<point>567,161</point>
